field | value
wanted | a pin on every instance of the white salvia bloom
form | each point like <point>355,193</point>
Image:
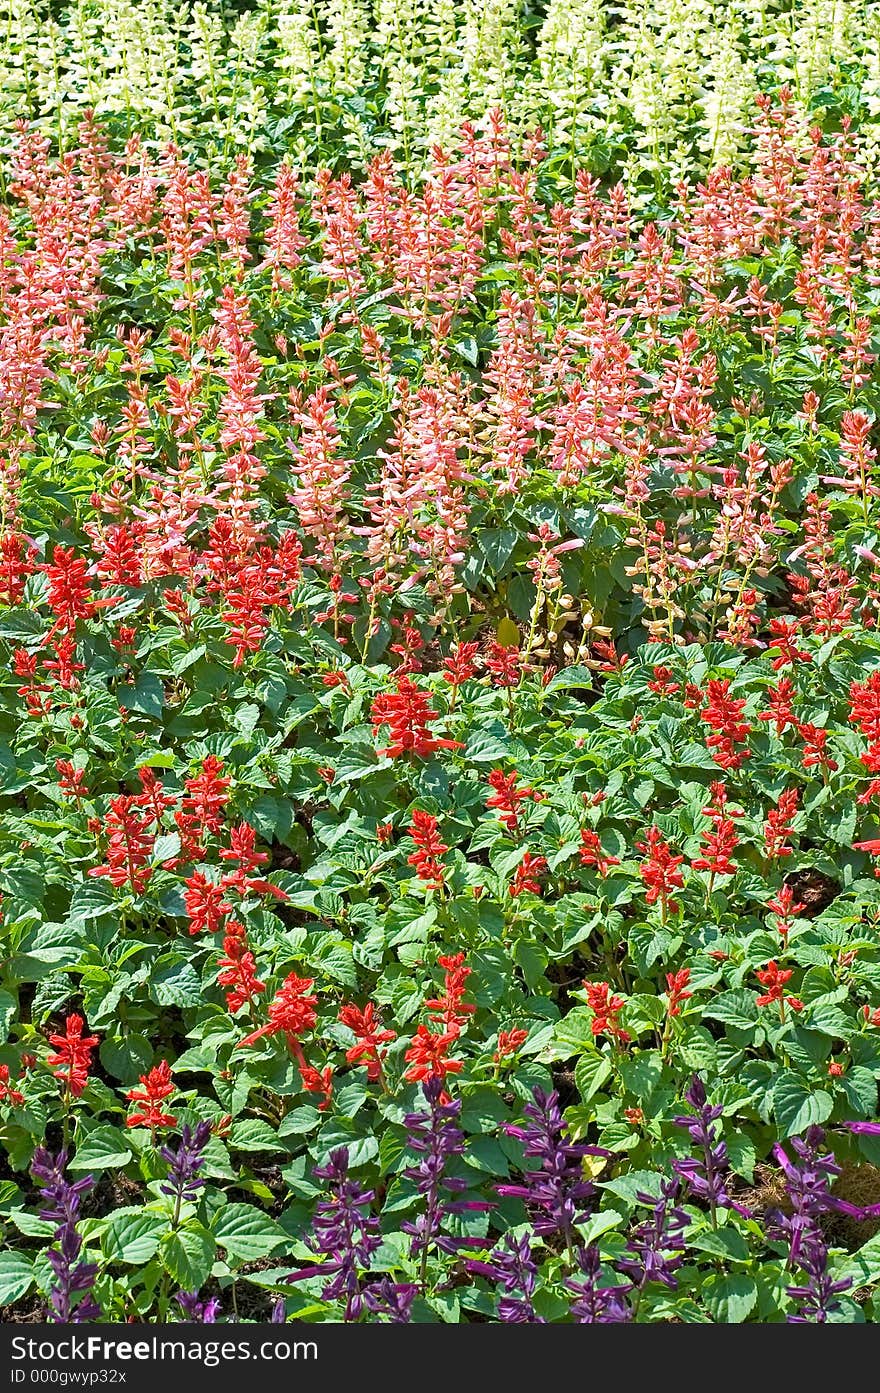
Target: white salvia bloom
<point>492,48</point>
<point>298,55</point>
<point>570,64</point>
<point>345,63</point>
<point>820,30</point>
<point>727,103</point>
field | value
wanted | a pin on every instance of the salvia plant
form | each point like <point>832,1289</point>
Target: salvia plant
<point>439,662</point>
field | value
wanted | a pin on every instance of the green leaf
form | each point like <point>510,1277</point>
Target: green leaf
<point>797,1106</point>
<point>730,1299</point>
<point>247,1233</point>
<point>103,1148</point>
<point>132,1236</point>
<point>590,1073</point>
<point>188,1256</point>
<point>8,1009</point>
<point>16,1277</point>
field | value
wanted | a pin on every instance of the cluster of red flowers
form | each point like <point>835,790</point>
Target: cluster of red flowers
<point>72,1058</point>
<point>407,712</point>
<point>660,871</point>
<point>606,1007</point>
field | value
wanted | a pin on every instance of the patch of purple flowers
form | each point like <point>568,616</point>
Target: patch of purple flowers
<point>73,1278</point>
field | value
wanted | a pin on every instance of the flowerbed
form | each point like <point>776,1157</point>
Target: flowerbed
<point>441,737</point>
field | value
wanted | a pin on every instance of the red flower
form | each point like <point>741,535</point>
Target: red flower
<point>662,682</point>
<point>238,969</point>
<point>815,740</point>
<point>206,796</point>
<point>73,1055</point>
<point>786,908</point>
<point>205,905</point>
<point>317,1081</point>
<point>461,666</point>
<point>509,1041</point>
<point>507,798</point>
<point>153,798</point>
<point>606,1008</point>
<point>70,595</point>
<point>525,877</point>
<point>129,847</point>
<point>784,637</point>
<point>8,1094</point>
<point>367,1028</point>
<point>157,1086</point>
<point>505,664</point>
<point>724,714</point>
<point>429,847</point>
<point>71,781</point>
<point>449,1010</point>
<point>660,872</point>
<point>593,854</point>
<point>778,828</point>
<point>779,700</point>
<point>774,978</point>
<point>676,984</point>
<point>722,841</point>
<point>406,713</point>
<point>292,1011</point>
<point>428,1056</point>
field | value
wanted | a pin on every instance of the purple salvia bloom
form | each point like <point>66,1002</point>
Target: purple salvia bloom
<point>392,1299</point>
<point>197,1311</point>
<point>597,1305</point>
<point>817,1296</point>
<point>436,1138</point>
<point>72,1277</point>
<point>657,1244</point>
<point>345,1232</point>
<point>184,1163</point>
<point>279,1312</point>
<point>514,1267</point>
<point>808,1180</point>
<point>554,1191</point>
<point>705,1175</point>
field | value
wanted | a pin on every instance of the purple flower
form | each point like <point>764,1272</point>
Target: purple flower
<point>705,1175</point>
<point>345,1232</point>
<point>657,1244</point>
<point>435,1137</point>
<point>184,1164</point>
<point>514,1267</point>
<point>816,1297</point>
<point>553,1191</point>
<point>808,1178</point>
<point>279,1312</point>
<point>595,1304</point>
<point>72,1277</point>
<point>198,1311</point>
<point>392,1299</point>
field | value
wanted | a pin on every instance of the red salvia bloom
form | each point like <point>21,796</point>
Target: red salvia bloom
<point>507,797</point>
<point>157,1085</point>
<point>450,1010</point>
<point>205,905</point>
<point>152,798</point>
<point>129,848</point>
<point>872,847</point>
<point>783,637</point>
<point>71,781</point>
<point>660,871</point>
<point>785,908</point>
<point>243,850</point>
<point>724,714</point>
<point>525,877</point>
<point>15,567</point>
<point>505,664</point>
<point>73,1055</point>
<point>292,1011</point>
<point>592,853</point>
<point>429,847</point>
<point>70,595</point>
<point>676,990</point>
<point>815,740</point>
<point>461,664</point>
<point>722,841</point>
<point>428,1056</point>
<point>778,828</point>
<point>406,713</point>
<point>662,682</point>
<point>367,1028</point>
<point>8,1094</point>
<point>775,978</point>
<point>509,1042</point>
<point>606,1008</point>
<point>317,1081</point>
<point>206,796</point>
<point>238,969</point>
<point>779,701</point>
